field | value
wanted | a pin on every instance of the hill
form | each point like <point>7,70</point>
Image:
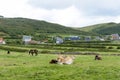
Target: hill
<point>104,28</point>
<point>16,27</point>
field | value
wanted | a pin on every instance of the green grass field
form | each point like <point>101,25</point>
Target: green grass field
<point>21,66</point>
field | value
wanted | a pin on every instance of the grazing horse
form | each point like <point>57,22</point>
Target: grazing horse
<point>33,51</point>
<point>98,57</point>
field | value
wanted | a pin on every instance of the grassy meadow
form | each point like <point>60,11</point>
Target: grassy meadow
<point>21,66</point>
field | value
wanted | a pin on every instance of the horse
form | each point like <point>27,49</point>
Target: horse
<point>33,51</point>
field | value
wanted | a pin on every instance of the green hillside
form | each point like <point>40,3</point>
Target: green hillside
<point>16,27</point>
<point>104,28</point>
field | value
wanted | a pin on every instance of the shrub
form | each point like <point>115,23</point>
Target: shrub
<point>118,47</point>
<point>110,47</point>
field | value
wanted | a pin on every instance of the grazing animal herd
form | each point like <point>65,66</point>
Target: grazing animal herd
<point>61,59</point>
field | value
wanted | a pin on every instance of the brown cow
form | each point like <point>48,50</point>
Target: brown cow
<point>98,57</point>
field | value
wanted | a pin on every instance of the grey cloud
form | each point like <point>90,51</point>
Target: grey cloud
<point>50,4</point>
<point>99,7</point>
<point>89,7</point>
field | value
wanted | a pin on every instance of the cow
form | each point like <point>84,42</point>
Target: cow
<point>65,59</point>
<point>33,51</point>
<point>98,57</point>
<point>8,52</point>
<point>53,61</point>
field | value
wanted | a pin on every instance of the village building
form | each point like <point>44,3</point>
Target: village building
<point>72,38</point>
<point>59,40</point>
<point>115,37</point>
<point>26,39</point>
<point>2,41</point>
<point>98,38</point>
<point>34,42</point>
<point>88,38</point>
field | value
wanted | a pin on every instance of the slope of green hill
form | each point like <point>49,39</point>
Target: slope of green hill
<point>104,28</point>
<point>16,27</point>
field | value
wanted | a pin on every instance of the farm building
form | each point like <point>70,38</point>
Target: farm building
<point>115,37</point>
<point>88,38</point>
<point>99,38</point>
<point>26,39</point>
<point>34,42</point>
<point>72,38</point>
<point>59,40</point>
<point>2,41</point>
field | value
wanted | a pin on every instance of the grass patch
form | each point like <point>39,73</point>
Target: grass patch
<point>21,66</point>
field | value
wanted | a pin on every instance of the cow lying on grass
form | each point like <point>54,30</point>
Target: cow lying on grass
<point>98,57</point>
<point>63,60</point>
<point>53,61</point>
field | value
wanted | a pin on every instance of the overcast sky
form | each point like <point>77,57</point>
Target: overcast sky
<point>72,13</point>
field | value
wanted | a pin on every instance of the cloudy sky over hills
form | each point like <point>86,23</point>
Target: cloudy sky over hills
<point>75,13</point>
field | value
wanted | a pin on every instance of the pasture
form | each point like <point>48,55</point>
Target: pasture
<point>22,66</point>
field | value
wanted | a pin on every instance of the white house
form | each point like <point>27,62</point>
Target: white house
<point>26,39</point>
<point>99,38</point>
<point>59,40</point>
<point>2,41</point>
<point>115,36</point>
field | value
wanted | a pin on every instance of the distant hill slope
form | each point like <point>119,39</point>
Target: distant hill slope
<point>104,28</point>
<point>16,27</point>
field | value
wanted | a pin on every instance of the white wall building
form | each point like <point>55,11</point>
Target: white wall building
<point>59,40</point>
<point>26,39</point>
